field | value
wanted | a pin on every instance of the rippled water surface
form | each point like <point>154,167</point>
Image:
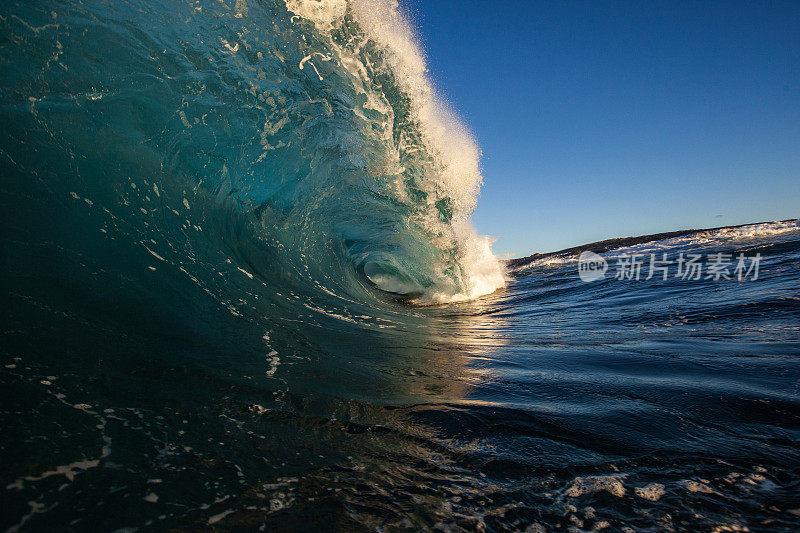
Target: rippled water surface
<point>239,291</point>
<point>649,404</point>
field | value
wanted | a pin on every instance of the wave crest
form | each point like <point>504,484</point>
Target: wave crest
<point>305,135</point>
<point>431,162</point>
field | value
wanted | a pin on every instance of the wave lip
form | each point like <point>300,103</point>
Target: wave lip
<point>422,158</point>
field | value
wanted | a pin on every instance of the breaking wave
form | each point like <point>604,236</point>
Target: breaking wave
<point>301,140</point>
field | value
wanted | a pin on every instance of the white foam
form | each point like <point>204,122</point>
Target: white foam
<point>613,484</point>
<point>711,237</point>
<point>652,492</point>
<point>481,270</point>
<point>455,155</point>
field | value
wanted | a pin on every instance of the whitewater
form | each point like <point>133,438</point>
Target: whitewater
<point>241,291</point>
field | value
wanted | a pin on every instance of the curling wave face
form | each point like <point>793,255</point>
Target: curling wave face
<point>302,136</point>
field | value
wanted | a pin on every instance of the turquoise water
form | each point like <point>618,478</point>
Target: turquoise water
<point>241,291</point>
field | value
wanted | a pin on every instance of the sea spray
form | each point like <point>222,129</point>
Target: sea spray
<point>434,160</point>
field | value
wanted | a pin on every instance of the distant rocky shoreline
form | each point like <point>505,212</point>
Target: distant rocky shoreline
<point>613,244</point>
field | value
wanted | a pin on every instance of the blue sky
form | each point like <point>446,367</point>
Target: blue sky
<point>609,119</point>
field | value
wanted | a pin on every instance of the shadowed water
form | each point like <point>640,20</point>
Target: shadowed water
<point>216,269</point>
<point>649,404</point>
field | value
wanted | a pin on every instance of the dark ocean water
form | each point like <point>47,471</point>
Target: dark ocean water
<point>654,405</point>
<point>223,227</point>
